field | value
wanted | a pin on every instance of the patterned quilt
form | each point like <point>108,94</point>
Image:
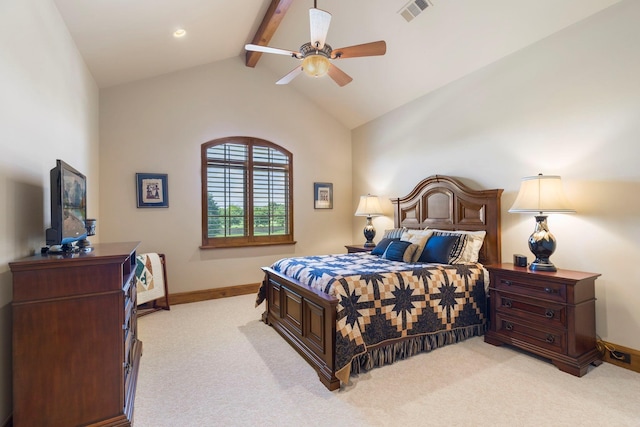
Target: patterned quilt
<point>381,301</point>
<point>149,278</point>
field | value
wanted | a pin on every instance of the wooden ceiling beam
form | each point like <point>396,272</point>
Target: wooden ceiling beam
<point>275,13</point>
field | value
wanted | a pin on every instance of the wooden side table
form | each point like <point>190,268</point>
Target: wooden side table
<point>358,248</point>
<point>551,314</point>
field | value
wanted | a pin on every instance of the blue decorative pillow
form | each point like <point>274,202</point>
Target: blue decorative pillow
<point>382,246</point>
<point>438,249</point>
<point>400,251</point>
<point>468,247</point>
<point>457,250</point>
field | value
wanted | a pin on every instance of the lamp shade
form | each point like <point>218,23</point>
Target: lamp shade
<point>369,206</point>
<point>543,194</point>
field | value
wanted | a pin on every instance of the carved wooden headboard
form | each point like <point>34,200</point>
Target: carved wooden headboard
<point>445,203</point>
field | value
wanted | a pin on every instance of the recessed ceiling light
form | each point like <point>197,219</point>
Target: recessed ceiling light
<point>180,32</point>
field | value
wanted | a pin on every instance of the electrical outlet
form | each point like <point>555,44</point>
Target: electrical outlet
<point>620,356</point>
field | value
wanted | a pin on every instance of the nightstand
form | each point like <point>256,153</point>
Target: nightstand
<point>358,248</point>
<point>551,314</point>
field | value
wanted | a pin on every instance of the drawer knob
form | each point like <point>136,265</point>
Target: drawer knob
<point>550,291</point>
<point>508,326</point>
<point>507,282</point>
<point>550,339</point>
<point>507,303</point>
<point>549,313</point>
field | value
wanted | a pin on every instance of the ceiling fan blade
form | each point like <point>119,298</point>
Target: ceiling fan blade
<point>267,49</point>
<point>319,23</point>
<point>338,75</point>
<point>367,49</point>
<point>290,76</point>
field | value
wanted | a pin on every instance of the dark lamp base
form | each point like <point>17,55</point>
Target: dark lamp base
<point>369,234</point>
<point>542,266</point>
<point>542,244</point>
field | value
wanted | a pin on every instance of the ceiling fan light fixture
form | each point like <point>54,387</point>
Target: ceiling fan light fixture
<point>316,55</point>
<point>316,65</point>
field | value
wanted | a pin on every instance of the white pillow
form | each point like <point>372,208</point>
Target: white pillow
<point>471,250</point>
<point>419,238</point>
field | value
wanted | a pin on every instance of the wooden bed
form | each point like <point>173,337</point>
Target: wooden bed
<point>306,318</point>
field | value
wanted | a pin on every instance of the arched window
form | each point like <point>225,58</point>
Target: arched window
<point>247,193</point>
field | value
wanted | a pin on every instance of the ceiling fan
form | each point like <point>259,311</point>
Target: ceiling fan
<point>316,55</point>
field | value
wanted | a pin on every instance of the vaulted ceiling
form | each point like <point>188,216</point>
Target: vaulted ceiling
<point>123,41</point>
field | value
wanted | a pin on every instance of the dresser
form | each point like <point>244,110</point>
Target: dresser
<point>75,348</point>
<point>551,314</point>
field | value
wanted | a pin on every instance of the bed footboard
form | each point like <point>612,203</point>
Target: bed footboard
<point>306,319</point>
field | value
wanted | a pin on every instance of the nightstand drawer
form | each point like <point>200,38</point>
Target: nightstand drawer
<point>537,288</point>
<point>541,312</point>
<point>551,339</point>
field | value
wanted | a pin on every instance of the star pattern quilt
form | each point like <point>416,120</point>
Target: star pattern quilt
<point>382,301</point>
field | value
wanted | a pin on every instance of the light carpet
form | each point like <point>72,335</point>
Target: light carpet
<point>214,363</point>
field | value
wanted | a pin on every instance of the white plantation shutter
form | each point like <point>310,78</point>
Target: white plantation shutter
<point>226,185</point>
<point>270,191</point>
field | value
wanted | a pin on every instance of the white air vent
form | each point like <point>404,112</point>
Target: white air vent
<point>413,9</point>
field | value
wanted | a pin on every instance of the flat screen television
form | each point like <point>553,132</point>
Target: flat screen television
<point>68,207</point>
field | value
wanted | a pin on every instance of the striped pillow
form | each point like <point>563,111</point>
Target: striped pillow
<point>394,233</point>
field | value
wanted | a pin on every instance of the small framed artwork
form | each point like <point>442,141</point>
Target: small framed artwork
<point>322,195</point>
<point>152,190</point>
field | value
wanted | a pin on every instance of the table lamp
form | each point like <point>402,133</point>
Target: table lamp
<point>369,206</point>
<point>541,194</point>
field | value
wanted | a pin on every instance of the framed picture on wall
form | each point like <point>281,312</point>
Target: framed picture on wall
<point>152,190</point>
<point>322,195</point>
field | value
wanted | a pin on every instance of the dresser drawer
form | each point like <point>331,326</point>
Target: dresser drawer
<point>550,339</point>
<point>546,313</point>
<point>129,329</point>
<point>533,287</point>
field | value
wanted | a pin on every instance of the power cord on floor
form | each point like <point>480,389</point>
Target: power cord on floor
<point>603,347</point>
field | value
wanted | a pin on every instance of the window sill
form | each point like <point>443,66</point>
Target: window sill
<point>245,245</point>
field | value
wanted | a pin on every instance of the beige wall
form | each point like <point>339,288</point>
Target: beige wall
<point>568,105</point>
<point>48,110</point>
<point>158,125</point>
